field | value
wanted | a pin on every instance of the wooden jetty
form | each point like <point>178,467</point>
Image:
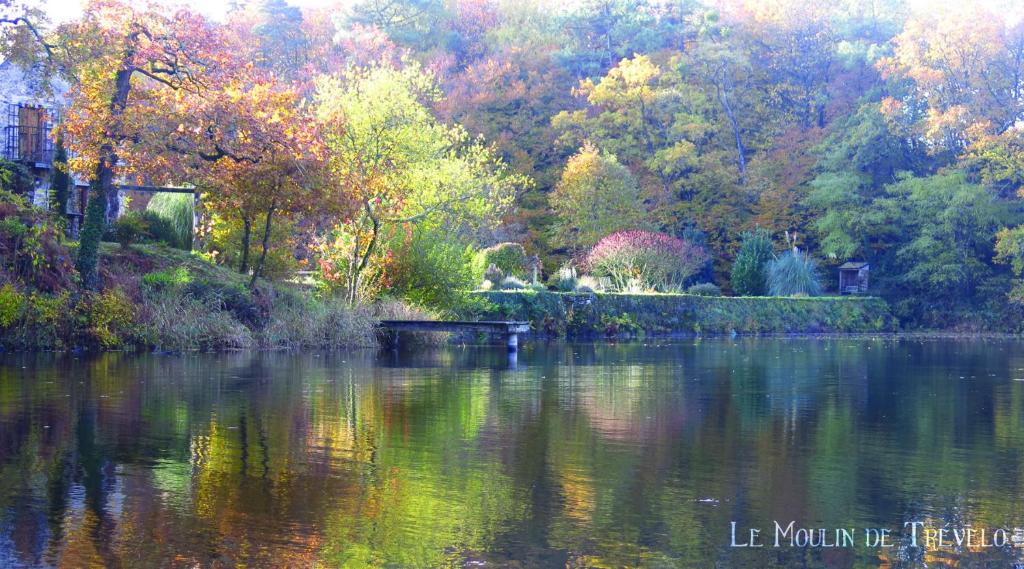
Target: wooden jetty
<point>508,328</point>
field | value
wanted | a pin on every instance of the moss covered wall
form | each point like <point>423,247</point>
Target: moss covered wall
<point>583,315</point>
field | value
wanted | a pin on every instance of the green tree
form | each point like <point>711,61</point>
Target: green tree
<point>749,272</point>
<point>856,161</point>
<point>60,181</point>
<point>948,229</point>
<point>1010,250</point>
<point>603,32</point>
<point>596,197</point>
<point>14,177</point>
<point>395,164</point>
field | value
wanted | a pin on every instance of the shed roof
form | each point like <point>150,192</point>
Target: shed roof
<point>853,265</point>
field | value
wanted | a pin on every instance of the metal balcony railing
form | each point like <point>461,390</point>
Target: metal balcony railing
<point>26,135</point>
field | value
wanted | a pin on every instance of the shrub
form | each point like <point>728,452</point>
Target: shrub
<point>176,209</point>
<point>793,274</point>
<point>15,177</point>
<point>128,229</point>
<point>705,289</point>
<point>338,258</point>
<point>512,283</point>
<point>158,229</point>
<point>493,276</point>
<point>429,269</point>
<point>646,260</point>
<point>12,228</point>
<point>12,303</point>
<point>110,315</point>
<point>564,279</point>
<point>509,257</point>
<point>749,271</point>
<point>33,251</point>
<point>51,321</point>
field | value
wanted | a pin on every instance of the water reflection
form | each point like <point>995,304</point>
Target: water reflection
<point>579,456</point>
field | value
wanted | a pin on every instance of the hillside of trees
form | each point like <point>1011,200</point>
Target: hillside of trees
<point>380,144</point>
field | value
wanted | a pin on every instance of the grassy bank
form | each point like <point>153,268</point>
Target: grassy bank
<point>160,298</point>
<point>588,315</point>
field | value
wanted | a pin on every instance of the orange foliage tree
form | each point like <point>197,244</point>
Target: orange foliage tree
<point>127,64</point>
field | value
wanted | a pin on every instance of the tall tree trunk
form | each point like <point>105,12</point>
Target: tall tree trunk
<point>266,244</point>
<point>723,87</point>
<point>97,219</point>
<point>361,261</point>
<point>243,267</point>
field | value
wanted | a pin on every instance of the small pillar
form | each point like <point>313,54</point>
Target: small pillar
<point>513,342</point>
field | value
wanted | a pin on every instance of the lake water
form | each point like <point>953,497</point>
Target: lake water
<point>578,455</point>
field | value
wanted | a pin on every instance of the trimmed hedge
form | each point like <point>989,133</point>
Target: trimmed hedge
<point>589,314</point>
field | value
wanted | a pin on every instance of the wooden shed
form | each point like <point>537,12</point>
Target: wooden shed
<point>853,277</point>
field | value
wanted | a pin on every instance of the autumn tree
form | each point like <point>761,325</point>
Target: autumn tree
<point>125,63</point>
<point>250,148</point>
<point>399,165</point>
<point>670,133</point>
<point>24,37</point>
<point>595,197</point>
<point>509,97</point>
<point>792,47</point>
<point>965,66</point>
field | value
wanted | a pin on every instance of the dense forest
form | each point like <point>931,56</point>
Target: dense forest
<point>381,142</point>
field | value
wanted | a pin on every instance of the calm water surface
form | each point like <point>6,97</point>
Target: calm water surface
<point>578,456</point>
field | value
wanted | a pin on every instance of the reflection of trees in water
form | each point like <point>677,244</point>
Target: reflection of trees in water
<point>585,454</point>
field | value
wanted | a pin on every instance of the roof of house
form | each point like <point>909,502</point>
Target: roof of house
<point>852,265</point>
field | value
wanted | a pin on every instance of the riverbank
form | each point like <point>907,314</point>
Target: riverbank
<point>164,299</point>
<point>588,315</point>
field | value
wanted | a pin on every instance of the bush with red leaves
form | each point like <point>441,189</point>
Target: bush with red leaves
<point>646,261</point>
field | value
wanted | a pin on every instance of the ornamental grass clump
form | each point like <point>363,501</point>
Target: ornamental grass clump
<point>177,210</point>
<point>646,260</point>
<point>793,274</point>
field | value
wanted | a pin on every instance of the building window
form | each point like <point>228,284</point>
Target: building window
<point>27,135</point>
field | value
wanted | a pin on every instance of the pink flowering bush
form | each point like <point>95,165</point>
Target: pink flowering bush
<point>645,260</point>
